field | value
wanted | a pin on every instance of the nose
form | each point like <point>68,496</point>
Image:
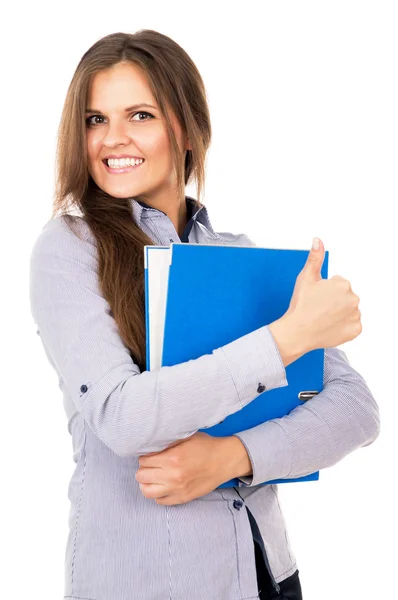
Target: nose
<point>116,134</point>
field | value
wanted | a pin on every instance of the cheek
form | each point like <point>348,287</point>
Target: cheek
<point>155,143</point>
<point>93,145</point>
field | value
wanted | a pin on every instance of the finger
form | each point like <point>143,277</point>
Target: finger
<point>344,283</point>
<point>150,460</point>
<point>149,475</point>
<point>153,490</point>
<point>313,265</point>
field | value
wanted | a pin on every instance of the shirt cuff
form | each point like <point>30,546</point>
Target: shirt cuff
<point>269,452</point>
<point>256,352</point>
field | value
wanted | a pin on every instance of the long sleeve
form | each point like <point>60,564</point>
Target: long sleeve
<point>343,417</point>
<point>133,413</point>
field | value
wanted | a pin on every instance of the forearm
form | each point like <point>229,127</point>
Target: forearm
<point>155,409</point>
<point>319,433</point>
<point>288,339</point>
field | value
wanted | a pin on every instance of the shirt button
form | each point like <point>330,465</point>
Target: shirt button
<point>238,504</point>
<point>83,388</point>
<point>261,388</point>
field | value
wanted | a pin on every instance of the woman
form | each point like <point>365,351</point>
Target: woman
<point>147,517</point>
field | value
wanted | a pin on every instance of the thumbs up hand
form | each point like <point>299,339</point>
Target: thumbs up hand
<point>323,313</point>
<point>325,310</point>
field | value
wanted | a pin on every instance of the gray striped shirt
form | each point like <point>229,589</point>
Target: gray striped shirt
<point>121,545</point>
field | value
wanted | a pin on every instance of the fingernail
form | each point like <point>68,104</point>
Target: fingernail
<point>315,244</point>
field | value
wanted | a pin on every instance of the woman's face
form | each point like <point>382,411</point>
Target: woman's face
<point>139,132</point>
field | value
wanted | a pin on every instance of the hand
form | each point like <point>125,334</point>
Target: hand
<point>323,313</point>
<point>191,468</point>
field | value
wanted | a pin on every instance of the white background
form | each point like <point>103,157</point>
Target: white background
<point>303,98</point>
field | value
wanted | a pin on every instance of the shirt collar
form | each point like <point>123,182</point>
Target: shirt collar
<point>195,212</point>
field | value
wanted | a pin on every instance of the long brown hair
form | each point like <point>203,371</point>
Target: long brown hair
<point>175,82</point>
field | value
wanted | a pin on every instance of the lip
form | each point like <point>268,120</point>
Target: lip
<point>122,169</point>
<point>121,156</point>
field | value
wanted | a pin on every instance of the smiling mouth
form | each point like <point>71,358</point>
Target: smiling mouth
<point>124,169</point>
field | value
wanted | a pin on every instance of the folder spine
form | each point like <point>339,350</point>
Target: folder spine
<point>148,366</point>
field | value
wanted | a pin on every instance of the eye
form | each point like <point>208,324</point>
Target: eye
<point>90,123</point>
<point>143,113</point>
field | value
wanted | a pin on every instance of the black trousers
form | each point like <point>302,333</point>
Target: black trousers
<point>290,588</point>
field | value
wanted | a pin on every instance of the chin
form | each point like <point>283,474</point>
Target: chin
<point>121,191</point>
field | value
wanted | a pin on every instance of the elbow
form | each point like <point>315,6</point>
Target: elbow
<point>373,426</point>
<point>123,450</point>
<point>126,431</point>
<point>368,421</point>
<point>137,449</point>
<point>132,443</point>
<point>120,435</point>
<point>140,445</point>
<point>133,446</point>
<point>363,422</point>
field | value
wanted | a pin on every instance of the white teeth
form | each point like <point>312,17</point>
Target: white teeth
<point>123,162</point>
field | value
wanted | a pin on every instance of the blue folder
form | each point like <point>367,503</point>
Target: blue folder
<point>218,293</point>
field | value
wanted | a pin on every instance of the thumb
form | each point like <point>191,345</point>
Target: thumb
<point>312,268</point>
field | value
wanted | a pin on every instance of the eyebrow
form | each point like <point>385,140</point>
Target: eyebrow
<point>130,108</point>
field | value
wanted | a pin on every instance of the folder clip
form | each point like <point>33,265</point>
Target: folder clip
<point>303,396</point>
